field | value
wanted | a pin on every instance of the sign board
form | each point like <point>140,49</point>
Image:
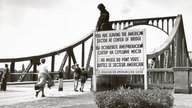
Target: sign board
<point>120,52</point>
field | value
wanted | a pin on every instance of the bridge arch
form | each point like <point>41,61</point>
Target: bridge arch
<point>132,26</point>
<point>164,23</point>
<point>175,44</point>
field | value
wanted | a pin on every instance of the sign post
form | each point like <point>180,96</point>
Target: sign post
<point>120,52</point>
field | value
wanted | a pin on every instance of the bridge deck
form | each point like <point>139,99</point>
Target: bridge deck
<point>25,93</point>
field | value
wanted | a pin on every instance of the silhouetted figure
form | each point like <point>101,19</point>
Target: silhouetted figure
<point>76,76</point>
<point>84,77</point>
<point>4,78</point>
<point>103,21</point>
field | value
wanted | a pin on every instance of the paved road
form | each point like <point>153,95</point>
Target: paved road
<point>182,100</point>
<point>24,93</point>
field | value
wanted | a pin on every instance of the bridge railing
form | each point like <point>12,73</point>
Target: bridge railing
<point>163,23</point>
<point>156,78</point>
<point>159,77</point>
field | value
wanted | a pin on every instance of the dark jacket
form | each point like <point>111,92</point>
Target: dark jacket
<point>84,76</point>
<point>77,73</point>
<point>103,20</point>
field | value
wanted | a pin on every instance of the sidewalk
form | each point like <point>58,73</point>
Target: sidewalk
<point>25,94</point>
<point>182,100</point>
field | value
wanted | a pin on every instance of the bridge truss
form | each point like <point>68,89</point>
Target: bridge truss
<point>172,53</point>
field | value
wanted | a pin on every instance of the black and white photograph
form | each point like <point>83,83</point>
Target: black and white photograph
<point>95,54</point>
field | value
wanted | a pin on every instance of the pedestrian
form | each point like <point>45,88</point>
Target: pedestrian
<point>103,21</point>
<point>4,78</point>
<point>76,76</point>
<point>43,76</point>
<point>153,63</point>
<point>83,77</point>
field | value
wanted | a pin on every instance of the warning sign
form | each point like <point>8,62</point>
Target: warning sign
<point>120,52</point>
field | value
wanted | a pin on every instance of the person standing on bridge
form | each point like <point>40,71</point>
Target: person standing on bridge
<point>43,76</point>
<point>84,77</point>
<point>4,78</point>
<point>103,21</point>
<point>76,76</point>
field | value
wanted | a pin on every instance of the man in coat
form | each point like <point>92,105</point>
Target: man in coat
<point>103,21</point>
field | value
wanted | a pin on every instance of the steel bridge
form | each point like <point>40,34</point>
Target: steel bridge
<point>172,53</point>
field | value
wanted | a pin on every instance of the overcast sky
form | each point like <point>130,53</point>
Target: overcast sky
<point>32,27</point>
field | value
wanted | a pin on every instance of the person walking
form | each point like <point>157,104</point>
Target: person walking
<point>43,76</point>
<point>76,76</point>
<point>83,77</point>
<point>4,78</point>
<point>103,21</point>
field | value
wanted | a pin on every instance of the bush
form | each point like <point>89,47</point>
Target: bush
<point>134,98</point>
